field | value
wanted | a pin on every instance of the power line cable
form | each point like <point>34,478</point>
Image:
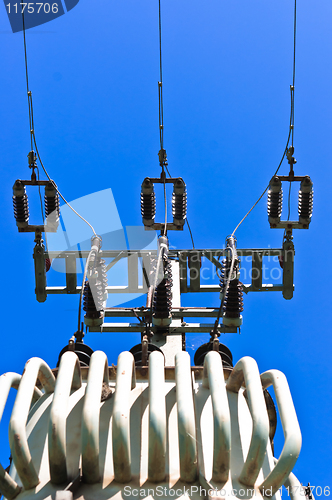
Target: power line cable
<point>33,137</point>
<point>162,152</point>
<point>291,123</point>
<point>29,107</point>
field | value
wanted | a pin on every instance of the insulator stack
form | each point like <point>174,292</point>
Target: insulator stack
<point>233,300</point>
<point>93,303</point>
<point>306,195</point>
<point>162,301</point>
<point>148,202</point>
<point>52,205</point>
<point>179,203</point>
<point>40,271</point>
<point>20,202</point>
<point>102,277</point>
<point>274,200</point>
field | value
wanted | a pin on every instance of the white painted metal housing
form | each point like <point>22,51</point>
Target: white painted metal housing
<point>164,433</point>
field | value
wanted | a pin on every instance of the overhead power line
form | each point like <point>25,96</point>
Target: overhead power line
<point>291,123</point>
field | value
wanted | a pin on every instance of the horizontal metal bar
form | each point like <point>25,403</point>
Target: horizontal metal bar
<point>32,228</point>
<point>293,178</point>
<point>167,180</point>
<point>211,252</point>
<point>53,290</point>
<point>177,312</point>
<point>110,289</point>
<point>138,327</point>
<point>158,226</point>
<point>34,183</point>
<point>289,224</point>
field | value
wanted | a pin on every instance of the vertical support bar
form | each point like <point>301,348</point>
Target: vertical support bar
<point>257,272</point>
<point>183,272</point>
<point>133,272</point>
<point>194,263</point>
<point>186,418</point>
<point>98,373</point>
<point>246,370</point>
<point>71,278</point>
<point>69,377</point>
<point>125,382</point>
<point>288,269</point>
<point>213,379</point>
<point>157,418</point>
<point>34,369</point>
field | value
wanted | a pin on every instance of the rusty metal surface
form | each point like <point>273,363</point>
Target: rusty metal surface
<point>69,378</point>
<point>98,373</point>
<point>34,368</point>
<point>186,418</point>
<point>246,369</point>
<point>157,418</point>
<point>291,428</point>
<point>178,411</point>
<point>214,380</point>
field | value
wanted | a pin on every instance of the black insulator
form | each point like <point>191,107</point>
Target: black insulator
<point>148,202</point>
<point>162,300</point>
<point>274,200</point>
<point>137,351</point>
<point>93,300</point>
<point>52,204</point>
<point>306,195</point>
<point>179,203</point>
<point>20,203</point>
<point>83,351</point>
<point>233,300</point>
<point>225,353</point>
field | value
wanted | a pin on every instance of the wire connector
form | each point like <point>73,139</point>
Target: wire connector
<point>163,158</point>
<point>291,159</point>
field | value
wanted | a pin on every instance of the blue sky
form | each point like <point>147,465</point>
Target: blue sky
<point>227,70</point>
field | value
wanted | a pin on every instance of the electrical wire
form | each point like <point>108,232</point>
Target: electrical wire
<point>225,290</point>
<point>29,107</point>
<point>291,123</point>
<point>82,291</point>
<point>189,228</point>
<point>33,137</point>
<point>162,152</point>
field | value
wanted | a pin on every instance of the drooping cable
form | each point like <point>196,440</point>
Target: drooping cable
<point>162,152</point>
<point>33,137</point>
<point>189,228</point>
<point>291,123</point>
<point>29,107</point>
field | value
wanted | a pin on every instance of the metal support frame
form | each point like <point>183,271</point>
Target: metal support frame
<point>182,256</point>
<point>187,274</point>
